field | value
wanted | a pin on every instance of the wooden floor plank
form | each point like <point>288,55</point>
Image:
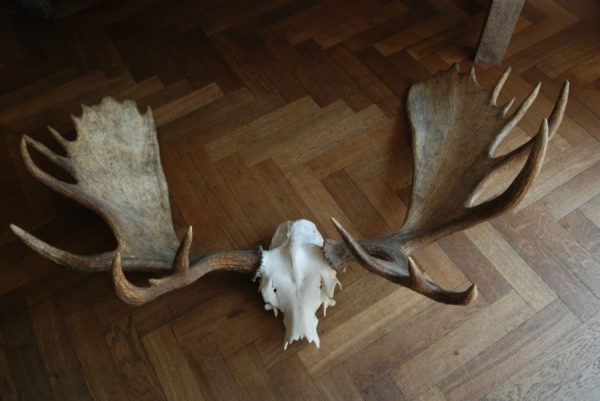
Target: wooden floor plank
<point>294,382</point>
<point>584,231</point>
<point>552,270</point>
<point>262,128</point>
<point>386,389</point>
<point>563,245</point>
<point>407,340</point>
<point>497,364</point>
<point>583,386</point>
<point>573,193</point>
<point>7,385</point>
<point>25,362</point>
<point>131,363</point>
<point>211,372</point>
<point>60,359</point>
<point>169,363</point>
<point>278,110</point>
<point>592,210</point>
<point>251,375</point>
<point>432,394</point>
<point>511,266</point>
<point>361,330</point>
<point>337,385</point>
<point>492,285</point>
<point>94,355</point>
<point>543,378</point>
<point>452,351</point>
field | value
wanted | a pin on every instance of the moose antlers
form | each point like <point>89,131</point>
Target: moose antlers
<point>456,128</point>
<point>115,161</point>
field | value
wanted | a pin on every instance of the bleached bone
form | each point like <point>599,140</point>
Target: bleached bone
<point>296,280</point>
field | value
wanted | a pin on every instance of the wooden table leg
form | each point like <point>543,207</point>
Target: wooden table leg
<point>499,25</point>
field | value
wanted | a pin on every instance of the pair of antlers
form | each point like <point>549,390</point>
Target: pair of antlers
<point>456,128</point>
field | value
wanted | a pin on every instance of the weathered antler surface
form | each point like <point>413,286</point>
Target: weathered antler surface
<point>115,162</point>
<point>456,128</point>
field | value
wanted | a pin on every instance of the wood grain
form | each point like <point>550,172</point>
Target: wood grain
<point>173,372</point>
<point>272,110</point>
<point>500,23</point>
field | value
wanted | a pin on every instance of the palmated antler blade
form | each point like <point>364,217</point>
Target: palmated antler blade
<point>182,274</point>
<point>456,127</point>
<point>411,277</point>
<point>115,162</point>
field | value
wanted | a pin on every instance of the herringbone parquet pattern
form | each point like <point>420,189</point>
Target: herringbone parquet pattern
<point>272,110</point>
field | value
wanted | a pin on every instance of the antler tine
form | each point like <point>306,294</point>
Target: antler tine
<point>182,273</point>
<point>517,155</point>
<point>507,107</point>
<point>60,161</point>
<point>181,262</point>
<point>372,264</point>
<point>421,284</point>
<point>99,262</point>
<point>128,292</point>
<point>556,116</point>
<point>518,188</point>
<point>77,262</point>
<point>516,117</point>
<point>473,76</point>
<point>412,277</point>
<point>83,263</point>
<point>499,86</point>
<point>134,295</point>
<point>59,138</point>
<point>559,110</point>
<point>57,185</point>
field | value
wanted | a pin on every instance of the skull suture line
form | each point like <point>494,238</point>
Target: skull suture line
<point>296,280</point>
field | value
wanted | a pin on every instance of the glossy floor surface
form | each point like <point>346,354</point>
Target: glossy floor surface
<point>273,110</point>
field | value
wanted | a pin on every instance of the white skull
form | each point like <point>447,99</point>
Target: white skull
<point>295,279</point>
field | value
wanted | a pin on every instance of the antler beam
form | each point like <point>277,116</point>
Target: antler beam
<point>181,274</point>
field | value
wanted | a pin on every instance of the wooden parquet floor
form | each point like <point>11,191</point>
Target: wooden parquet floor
<point>271,110</point>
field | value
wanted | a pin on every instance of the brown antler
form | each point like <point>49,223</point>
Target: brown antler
<point>182,274</point>
<point>115,162</point>
<point>456,128</point>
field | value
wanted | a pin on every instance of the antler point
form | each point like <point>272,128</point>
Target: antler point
<point>15,229</point>
<point>473,293</point>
